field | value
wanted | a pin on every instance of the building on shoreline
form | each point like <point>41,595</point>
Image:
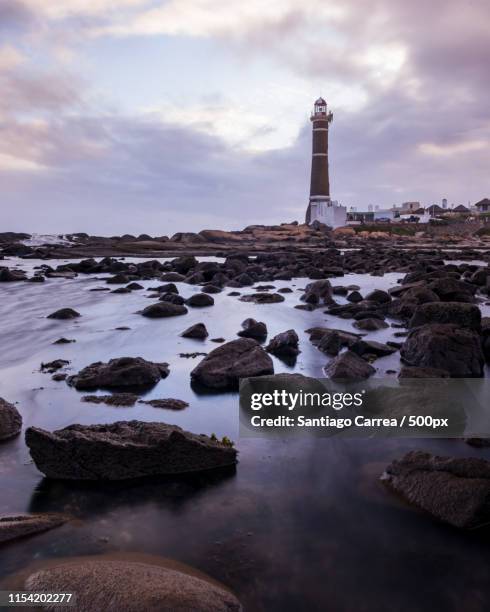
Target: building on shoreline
<point>320,206</point>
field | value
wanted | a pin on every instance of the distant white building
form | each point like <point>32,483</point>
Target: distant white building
<point>329,212</point>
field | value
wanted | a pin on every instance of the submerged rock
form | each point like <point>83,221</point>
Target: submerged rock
<point>123,450</point>
<point>455,490</point>
<point>123,372</point>
<point>445,347</point>
<point>262,298</point>
<point>130,584</point>
<point>349,366</point>
<point>19,526</point>
<point>64,313</point>
<point>370,324</point>
<point>10,420</point>
<point>116,399</point>
<point>223,367</point>
<point>170,403</point>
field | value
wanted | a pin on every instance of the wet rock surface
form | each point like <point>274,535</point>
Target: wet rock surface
<point>197,331</point>
<point>116,399</point>
<point>22,525</point>
<point>253,329</point>
<point>349,366</point>
<point>453,489</point>
<point>445,347</point>
<point>123,372</point>
<point>223,367</point>
<point>10,421</point>
<point>124,450</point>
<point>284,344</point>
<point>163,309</point>
<point>129,583</point>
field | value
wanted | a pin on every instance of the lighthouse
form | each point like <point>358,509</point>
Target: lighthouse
<point>320,206</point>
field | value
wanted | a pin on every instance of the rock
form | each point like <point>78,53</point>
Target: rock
<point>52,366</point>
<point>370,324</point>
<point>10,420</point>
<point>117,279</point>
<point>123,450</point>
<point>124,372</point>
<point>63,341</point>
<point>253,329</point>
<point>163,309</point>
<point>218,340</point>
<point>130,584</point>
<point>420,295</point>
<point>121,290</point>
<point>8,276</point>
<point>59,377</point>
<point>116,399</point>
<point>223,367</point>
<point>415,372</point>
<point>363,347</point>
<point>379,296</point>
<point>174,277</point>
<point>262,298</point>
<point>452,290</point>
<point>199,300</point>
<point>285,290</point>
<point>169,403</point>
<point>348,366</point>
<point>197,331</point>
<point>64,313</point>
<point>134,287</point>
<point>445,347</point>
<point>19,526</point>
<point>284,344</point>
<point>478,442</point>
<point>330,343</point>
<point>318,292</point>
<point>172,298</point>
<point>453,489</point>
<point>355,297</point>
<point>457,313</point>
<point>211,289</point>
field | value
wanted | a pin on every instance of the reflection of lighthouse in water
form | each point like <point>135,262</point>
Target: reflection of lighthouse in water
<point>321,207</point>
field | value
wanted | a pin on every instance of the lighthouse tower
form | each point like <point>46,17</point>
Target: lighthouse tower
<point>320,206</point>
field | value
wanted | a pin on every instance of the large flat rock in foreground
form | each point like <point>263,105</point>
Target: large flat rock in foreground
<point>124,450</point>
<point>223,367</point>
<point>120,373</point>
<point>137,583</point>
<point>453,489</point>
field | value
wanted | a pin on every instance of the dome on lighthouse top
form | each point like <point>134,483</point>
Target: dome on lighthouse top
<point>320,102</point>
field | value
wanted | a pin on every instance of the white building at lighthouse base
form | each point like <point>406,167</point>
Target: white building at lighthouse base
<point>327,211</point>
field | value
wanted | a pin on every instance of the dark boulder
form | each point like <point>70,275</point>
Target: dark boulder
<point>369,347</point>
<point>253,329</point>
<point>355,297</point>
<point>444,347</point>
<point>199,300</point>
<point>455,490</point>
<point>124,450</point>
<point>172,298</point>
<point>197,331</point>
<point>452,290</point>
<point>124,372</point>
<point>370,324</point>
<point>379,296</point>
<point>284,344</point>
<point>349,366</point>
<point>319,292</point>
<point>223,367</point>
<point>10,420</point>
<point>163,309</point>
<point>457,313</point>
<point>64,313</point>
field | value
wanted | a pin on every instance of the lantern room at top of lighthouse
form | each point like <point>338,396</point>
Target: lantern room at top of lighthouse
<point>320,110</point>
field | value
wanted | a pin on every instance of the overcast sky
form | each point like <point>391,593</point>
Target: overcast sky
<point>160,116</point>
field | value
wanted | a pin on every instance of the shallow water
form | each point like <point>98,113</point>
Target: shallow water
<point>298,525</point>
